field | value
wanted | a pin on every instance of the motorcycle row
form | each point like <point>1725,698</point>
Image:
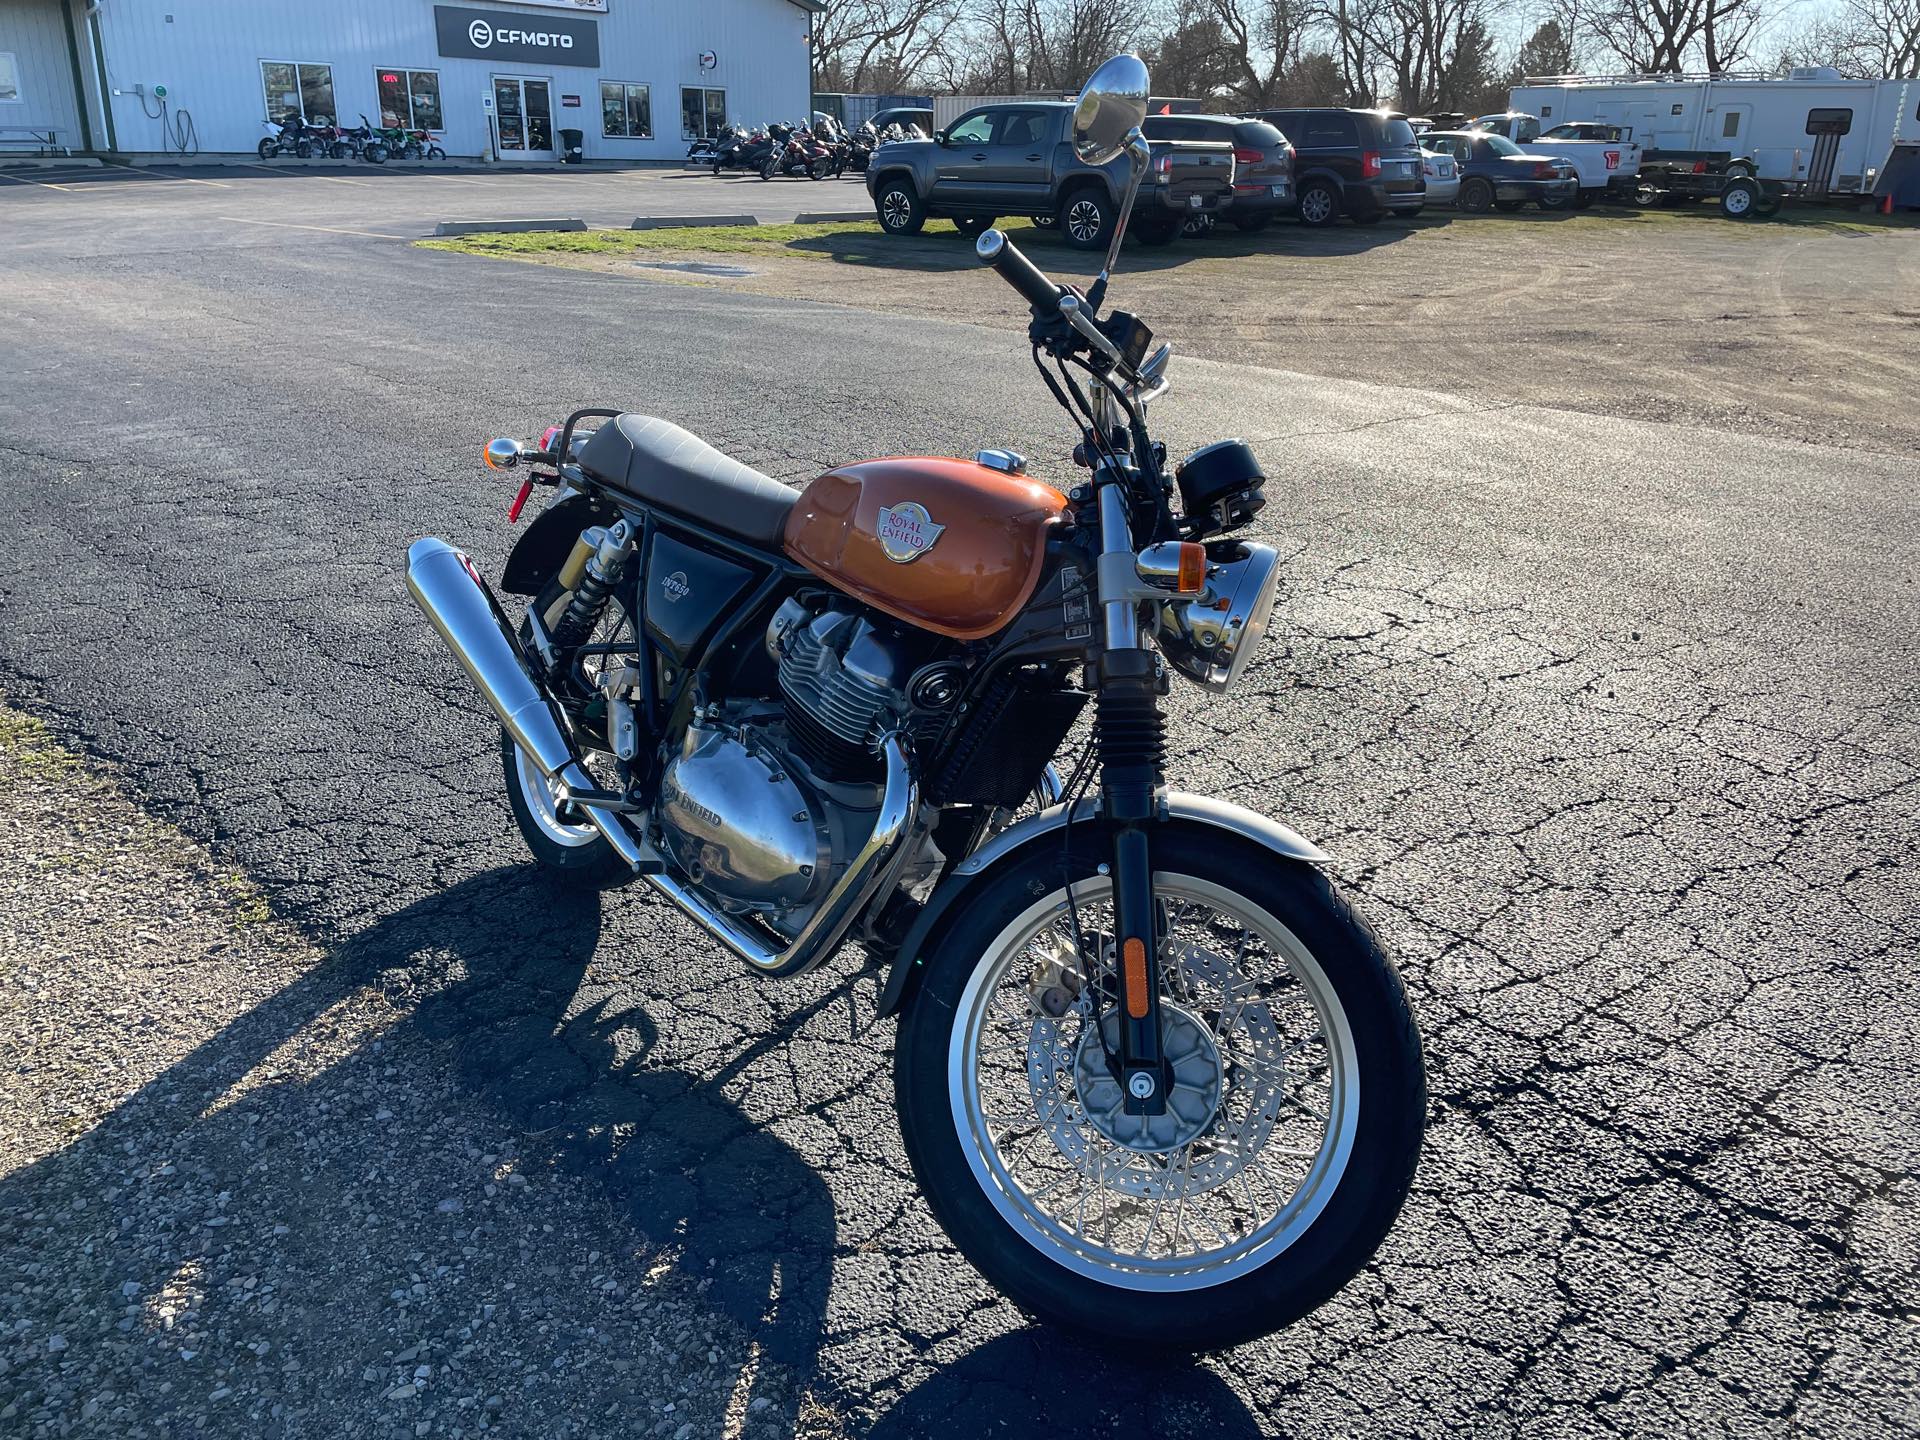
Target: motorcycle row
<point>814,152</point>
<point>307,140</point>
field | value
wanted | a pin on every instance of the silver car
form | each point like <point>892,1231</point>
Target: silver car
<point>1443,177</point>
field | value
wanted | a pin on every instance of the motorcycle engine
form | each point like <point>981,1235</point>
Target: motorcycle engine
<point>761,808</point>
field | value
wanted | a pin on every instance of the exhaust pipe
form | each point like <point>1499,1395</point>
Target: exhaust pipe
<point>450,592</point>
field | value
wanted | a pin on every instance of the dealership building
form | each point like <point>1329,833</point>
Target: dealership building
<point>638,78</point>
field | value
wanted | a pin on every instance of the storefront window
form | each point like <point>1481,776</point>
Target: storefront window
<point>703,113</point>
<point>626,110</point>
<point>9,79</point>
<point>409,98</point>
<point>303,90</point>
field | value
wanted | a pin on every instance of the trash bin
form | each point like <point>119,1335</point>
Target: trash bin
<point>570,143</point>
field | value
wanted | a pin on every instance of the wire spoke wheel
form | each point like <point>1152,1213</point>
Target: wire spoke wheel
<point>1263,1104</point>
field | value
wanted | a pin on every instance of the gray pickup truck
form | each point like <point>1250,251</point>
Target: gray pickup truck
<point>1015,159</point>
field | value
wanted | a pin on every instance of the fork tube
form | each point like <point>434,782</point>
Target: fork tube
<point>1130,733</point>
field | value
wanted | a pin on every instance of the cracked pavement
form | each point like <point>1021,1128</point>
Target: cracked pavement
<point>1608,724</point>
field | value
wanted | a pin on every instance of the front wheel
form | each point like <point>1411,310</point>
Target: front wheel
<point>900,209</point>
<point>1295,1107</point>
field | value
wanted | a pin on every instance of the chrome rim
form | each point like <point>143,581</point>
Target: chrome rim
<point>1316,205</point>
<point>1262,1112</point>
<point>895,210</point>
<point>1083,220</point>
<point>543,804</point>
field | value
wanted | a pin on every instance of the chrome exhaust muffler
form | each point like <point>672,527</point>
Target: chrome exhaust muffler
<point>450,593</point>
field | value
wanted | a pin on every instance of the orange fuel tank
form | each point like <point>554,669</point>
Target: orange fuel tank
<point>947,545</point>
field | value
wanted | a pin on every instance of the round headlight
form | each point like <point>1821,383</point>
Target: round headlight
<point>1211,638</point>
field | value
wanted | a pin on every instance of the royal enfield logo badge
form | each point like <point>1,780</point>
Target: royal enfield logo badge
<point>675,586</point>
<point>906,531</point>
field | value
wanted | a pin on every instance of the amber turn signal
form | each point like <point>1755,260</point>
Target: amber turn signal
<point>1133,956</point>
<point>1176,565</point>
<point>1193,568</point>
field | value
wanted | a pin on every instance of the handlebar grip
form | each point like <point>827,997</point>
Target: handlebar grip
<point>1022,274</point>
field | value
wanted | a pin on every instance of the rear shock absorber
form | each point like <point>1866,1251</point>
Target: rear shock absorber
<point>612,547</point>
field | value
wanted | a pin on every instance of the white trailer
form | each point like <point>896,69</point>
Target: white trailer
<point>1812,126</point>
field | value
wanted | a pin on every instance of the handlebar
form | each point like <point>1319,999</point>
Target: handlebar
<point>1022,274</point>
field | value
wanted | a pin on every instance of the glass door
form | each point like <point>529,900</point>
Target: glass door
<point>522,108</point>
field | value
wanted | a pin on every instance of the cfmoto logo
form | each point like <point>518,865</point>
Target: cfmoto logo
<point>481,34</point>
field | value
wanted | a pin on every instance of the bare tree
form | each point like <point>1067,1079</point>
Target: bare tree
<point>1264,40</point>
<point>1665,36</point>
<point>881,46</point>
<point>1863,39</point>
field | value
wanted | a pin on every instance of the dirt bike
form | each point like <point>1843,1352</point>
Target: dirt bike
<point>1154,1076</point>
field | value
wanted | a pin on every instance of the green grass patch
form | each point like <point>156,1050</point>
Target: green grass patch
<point>847,241</point>
<point>30,749</point>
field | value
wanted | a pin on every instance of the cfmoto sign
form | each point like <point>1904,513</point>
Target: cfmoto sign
<point>466,34</point>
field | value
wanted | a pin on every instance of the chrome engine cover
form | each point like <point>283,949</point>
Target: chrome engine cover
<point>735,819</point>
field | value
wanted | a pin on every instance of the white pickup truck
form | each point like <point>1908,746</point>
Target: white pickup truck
<point>1603,155</point>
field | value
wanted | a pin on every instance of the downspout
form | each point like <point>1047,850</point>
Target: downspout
<point>100,62</point>
<point>79,87</point>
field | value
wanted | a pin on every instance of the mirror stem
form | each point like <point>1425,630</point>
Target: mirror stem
<point>1139,156</point>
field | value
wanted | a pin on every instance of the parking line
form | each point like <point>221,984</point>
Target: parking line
<point>323,229</point>
<point>269,170</point>
<point>43,184</point>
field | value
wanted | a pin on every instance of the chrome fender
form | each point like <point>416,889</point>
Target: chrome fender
<point>974,870</point>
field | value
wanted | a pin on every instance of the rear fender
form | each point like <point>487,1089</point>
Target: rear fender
<point>544,546</point>
<point>1015,845</point>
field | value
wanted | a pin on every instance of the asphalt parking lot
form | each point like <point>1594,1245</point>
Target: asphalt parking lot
<point>1607,721</point>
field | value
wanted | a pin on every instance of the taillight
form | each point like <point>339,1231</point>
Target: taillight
<point>1699,167</point>
<point>1244,156</point>
<point>1163,164</point>
<point>1545,172</point>
<point>1369,164</point>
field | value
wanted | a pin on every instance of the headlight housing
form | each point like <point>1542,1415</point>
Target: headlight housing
<point>1211,638</point>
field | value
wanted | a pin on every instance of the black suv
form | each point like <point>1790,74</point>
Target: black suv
<point>1359,163</point>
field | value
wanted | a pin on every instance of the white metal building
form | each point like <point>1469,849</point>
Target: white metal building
<point>638,77</point>
<point>1812,126</point>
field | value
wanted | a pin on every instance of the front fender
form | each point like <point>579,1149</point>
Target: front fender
<point>1007,847</point>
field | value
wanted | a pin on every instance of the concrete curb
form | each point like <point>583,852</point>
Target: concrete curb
<point>503,227</point>
<point>830,217</point>
<point>674,222</point>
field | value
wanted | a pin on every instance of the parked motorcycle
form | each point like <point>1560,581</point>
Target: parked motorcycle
<point>422,145</point>
<point>289,137</point>
<point>804,154</point>
<point>1155,1078</point>
<point>363,143</point>
<point>747,150</point>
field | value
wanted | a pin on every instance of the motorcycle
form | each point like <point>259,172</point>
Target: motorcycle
<point>1154,1077</point>
<point>860,148</point>
<point>744,151</point>
<point>805,154</point>
<point>364,143</point>
<point>290,137</point>
<point>421,145</point>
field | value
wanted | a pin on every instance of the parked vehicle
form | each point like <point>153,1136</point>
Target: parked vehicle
<point>289,137</point>
<point>1812,129</point>
<point>1674,181</point>
<point>1443,176</point>
<point>746,150</point>
<point>1602,165</point>
<point>1496,174</point>
<point>907,117</point>
<point>1018,159</point>
<point>1155,1079</point>
<point>805,154</point>
<point>860,148</point>
<point>363,143</point>
<point>1262,163</point>
<point>1358,163</point>
<point>423,145</point>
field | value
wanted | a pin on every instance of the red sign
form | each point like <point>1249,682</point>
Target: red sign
<point>389,79</point>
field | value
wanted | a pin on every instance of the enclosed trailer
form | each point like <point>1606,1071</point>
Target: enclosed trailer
<point>1813,128</point>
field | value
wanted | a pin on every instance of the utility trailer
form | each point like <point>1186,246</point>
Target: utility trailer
<point>1813,132</point>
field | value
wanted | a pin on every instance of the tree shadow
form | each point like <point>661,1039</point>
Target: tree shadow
<point>746,1225</point>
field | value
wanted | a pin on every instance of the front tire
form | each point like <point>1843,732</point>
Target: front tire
<point>900,209</point>
<point>1295,1117</point>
